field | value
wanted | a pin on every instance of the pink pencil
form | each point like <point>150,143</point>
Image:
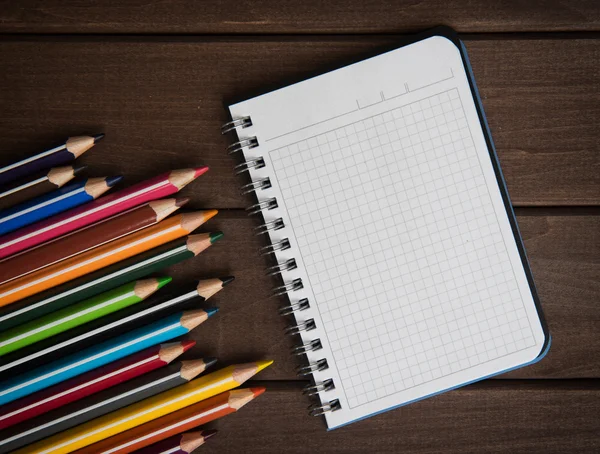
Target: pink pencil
<point>55,226</point>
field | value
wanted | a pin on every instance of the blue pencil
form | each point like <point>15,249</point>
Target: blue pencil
<point>54,202</point>
<point>101,354</point>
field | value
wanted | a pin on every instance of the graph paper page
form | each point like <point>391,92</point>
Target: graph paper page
<point>395,218</point>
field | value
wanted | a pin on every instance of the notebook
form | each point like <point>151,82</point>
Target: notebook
<point>392,229</point>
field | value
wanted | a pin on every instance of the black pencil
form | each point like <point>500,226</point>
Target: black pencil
<point>103,403</point>
<point>105,328</point>
<point>37,185</point>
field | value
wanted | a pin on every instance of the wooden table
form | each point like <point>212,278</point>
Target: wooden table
<point>154,76</point>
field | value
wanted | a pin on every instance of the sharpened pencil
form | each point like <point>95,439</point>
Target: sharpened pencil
<point>100,257</point>
<point>105,279</point>
<point>99,355</point>
<point>103,403</point>
<point>79,314</point>
<point>92,382</point>
<point>117,202</point>
<point>148,410</point>
<point>87,238</point>
<point>71,149</point>
<point>37,185</point>
<point>179,444</point>
<point>55,202</point>
<point>101,330</point>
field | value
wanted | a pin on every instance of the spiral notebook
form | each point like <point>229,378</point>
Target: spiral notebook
<point>392,229</point>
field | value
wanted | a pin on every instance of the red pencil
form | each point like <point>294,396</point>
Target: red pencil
<point>84,215</point>
<point>92,382</point>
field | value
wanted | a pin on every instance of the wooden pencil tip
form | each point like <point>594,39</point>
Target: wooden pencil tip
<point>192,368</point>
<point>182,177</point>
<point>200,171</point>
<point>192,440</point>
<point>191,319</point>
<point>164,207</point>
<point>98,137</point>
<point>208,287</point>
<point>191,221</point>
<point>240,397</point>
<point>146,287</point>
<point>79,145</point>
<point>197,243</point>
<point>168,352</point>
<point>243,372</point>
<point>95,187</point>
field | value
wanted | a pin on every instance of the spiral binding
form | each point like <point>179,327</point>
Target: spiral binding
<point>293,307</point>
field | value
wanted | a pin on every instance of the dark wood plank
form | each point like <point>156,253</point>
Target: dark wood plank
<point>486,417</point>
<point>564,253</point>
<point>290,16</point>
<point>161,104</point>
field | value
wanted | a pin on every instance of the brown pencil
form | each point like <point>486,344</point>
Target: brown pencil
<point>33,187</point>
<point>87,238</point>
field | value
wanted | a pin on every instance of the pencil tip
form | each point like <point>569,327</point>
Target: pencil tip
<point>78,170</point>
<point>187,344</point>
<point>162,281</point>
<point>211,311</point>
<point>260,365</point>
<point>200,171</point>
<point>209,361</point>
<point>181,201</point>
<point>215,236</point>
<point>258,390</point>
<point>209,433</point>
<point>98,137</point>
<point>111,181</point>
<point>227,280</point>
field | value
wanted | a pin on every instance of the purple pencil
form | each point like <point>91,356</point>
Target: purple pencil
<point>57,156</point>
<point>178,444</point>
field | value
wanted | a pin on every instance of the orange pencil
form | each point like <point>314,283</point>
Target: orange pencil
<point>95,259</point>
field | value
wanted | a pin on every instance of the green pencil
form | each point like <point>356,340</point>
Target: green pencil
<point>78,314</point>
<point>105,279</point>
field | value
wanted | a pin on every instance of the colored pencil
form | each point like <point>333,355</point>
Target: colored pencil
<point>147,410</point>
<point>87,238</point>
<point>105,279</point>
<point>79,314</point>
<point>109,327</point>
<point>55,202</point>
<point>42,183</point>
<point>179,444</point>
<point>62,154</point>
<point>92,382</point>
<point>117,202</point>
<point>174,423</point>
<point>98,355</point>
<point>167,230</point>
<point>108,401</point>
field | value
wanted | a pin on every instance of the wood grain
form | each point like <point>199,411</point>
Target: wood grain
<point>160,102</point>
<point>486,417</point>
<point>564,252</point>
<point>291,16</point>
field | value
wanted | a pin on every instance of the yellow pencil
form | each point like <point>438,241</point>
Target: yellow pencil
<point>147,410</point>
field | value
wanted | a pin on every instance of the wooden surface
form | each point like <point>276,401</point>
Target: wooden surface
<point>155,76</point>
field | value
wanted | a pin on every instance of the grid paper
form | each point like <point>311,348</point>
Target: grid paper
<point>402,248</point>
